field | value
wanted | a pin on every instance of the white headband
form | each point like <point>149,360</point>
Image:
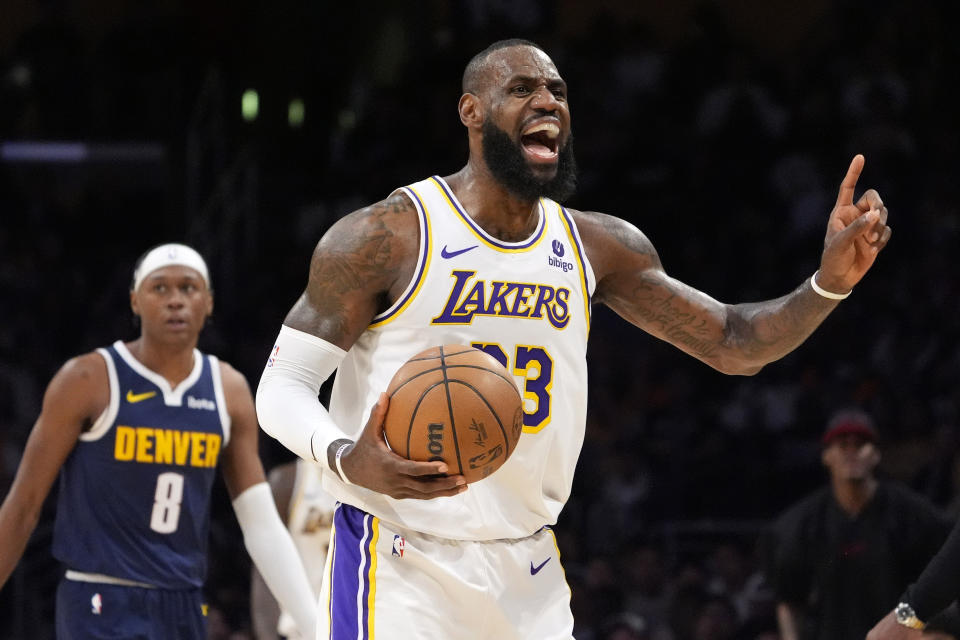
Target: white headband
<point>170,254</point>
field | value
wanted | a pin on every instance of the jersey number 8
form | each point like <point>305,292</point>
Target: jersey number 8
<point>166,503</point>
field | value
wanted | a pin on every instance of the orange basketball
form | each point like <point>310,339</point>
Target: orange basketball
<point>456,404</point>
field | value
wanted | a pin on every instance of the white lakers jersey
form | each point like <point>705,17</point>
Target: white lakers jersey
<point>526,303</point>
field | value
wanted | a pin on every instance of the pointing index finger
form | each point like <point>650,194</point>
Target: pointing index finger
<point>845,197</point>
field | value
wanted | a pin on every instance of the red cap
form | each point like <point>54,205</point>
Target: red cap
<point>854,422</point>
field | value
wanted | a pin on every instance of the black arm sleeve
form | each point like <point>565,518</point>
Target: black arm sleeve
<point>939,584</point>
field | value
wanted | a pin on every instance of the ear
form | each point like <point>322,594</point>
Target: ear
<point>471,111</point>
<point>823,456</point>
<point>209,304</point>
<point>134,303</point>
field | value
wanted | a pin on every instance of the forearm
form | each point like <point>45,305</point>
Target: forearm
<point>287,405</point>
<point>939,584</point>
<point>275,555</point>
<point>732,338</point>
<point>16,526</point>
<point>758,333</point>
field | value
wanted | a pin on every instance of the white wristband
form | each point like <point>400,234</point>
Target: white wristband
<point>337,457</point>
<point>824,292</point>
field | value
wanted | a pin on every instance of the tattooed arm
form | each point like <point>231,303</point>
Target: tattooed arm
<point>740,338</point>
<point>359,268</point>
<point>736,339</point>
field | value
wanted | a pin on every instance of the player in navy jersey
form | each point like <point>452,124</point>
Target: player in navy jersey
<point>136,432</point>
<point>488,256</point>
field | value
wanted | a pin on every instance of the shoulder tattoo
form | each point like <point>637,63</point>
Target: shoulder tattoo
<point>360,252</point>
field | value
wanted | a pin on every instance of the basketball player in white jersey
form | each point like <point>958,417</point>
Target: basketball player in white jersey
<point>307,509</point>
<point>488,256</point>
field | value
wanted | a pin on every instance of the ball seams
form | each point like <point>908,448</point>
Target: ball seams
<point>416,409</point>
<point>453,424</point>
<point>493,412</point>
<point>456,366</point>
<point>437,357</point>
<point>417,406</point>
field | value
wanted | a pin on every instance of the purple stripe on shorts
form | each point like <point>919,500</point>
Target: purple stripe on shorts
<point>349,579</point>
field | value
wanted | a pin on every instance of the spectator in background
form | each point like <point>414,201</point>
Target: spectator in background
<point>839,558</point>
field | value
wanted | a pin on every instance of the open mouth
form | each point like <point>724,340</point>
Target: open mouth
<point>540,141</point>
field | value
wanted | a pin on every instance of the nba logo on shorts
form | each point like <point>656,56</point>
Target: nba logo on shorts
<point>273,355</point>
<point>96,604</point>
<point>398,544</point>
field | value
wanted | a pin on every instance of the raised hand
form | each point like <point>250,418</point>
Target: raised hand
<point>856,232</point>
<point>370,463</point>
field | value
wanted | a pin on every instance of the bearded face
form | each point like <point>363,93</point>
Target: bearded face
<point>509,165</point>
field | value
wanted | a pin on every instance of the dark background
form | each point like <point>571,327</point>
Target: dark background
<point>721,129</point>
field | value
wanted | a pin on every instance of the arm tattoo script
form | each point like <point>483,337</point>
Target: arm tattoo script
<point>652,302</point>
<point>661,309</point>
<point>736,338</point>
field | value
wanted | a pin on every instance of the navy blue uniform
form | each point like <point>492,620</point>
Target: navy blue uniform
<point>134,497</point>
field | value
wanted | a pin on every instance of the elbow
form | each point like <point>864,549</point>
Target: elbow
<point>737,355</point>
<point>263,402</point>
<point>735,367</point>
<point>747,370</point>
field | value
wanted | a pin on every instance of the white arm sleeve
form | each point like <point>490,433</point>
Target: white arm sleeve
<point>287,404</point>
<point>270,546</point>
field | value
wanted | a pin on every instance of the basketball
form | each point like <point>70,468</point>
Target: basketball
<point>456,404</point>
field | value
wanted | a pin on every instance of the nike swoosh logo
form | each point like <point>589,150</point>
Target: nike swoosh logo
<point>134,398</point>
<point>534,570</point>
<point>453,254</point>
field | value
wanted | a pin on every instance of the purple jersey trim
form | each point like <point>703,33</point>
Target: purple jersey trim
<point>421,267</point>
<point>480,232</point>
<point>582,258</point>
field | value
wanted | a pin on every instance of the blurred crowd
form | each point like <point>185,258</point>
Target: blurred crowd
<point>722,133</point>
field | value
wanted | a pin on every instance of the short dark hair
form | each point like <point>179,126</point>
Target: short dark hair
<point>476,65</point>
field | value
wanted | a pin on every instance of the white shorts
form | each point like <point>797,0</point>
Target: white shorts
<point>384,582</point>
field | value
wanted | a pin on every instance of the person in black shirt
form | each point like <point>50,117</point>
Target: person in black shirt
<point>935,589</point>
<point>837,559</point>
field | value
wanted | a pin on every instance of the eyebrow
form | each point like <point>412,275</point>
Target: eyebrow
<point>550,82</point>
